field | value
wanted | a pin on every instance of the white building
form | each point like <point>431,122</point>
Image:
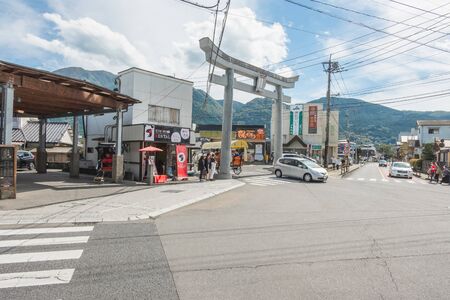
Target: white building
<point>304,129</point>
<point>165,111</point>
<point>429,131</point>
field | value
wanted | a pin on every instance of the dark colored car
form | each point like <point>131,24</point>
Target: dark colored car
<point>25,159</point>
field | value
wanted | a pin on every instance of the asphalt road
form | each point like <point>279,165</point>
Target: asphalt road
<point>346,239</point>
<point>365,236</point>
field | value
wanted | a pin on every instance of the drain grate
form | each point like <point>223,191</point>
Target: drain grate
<point>172,191</point>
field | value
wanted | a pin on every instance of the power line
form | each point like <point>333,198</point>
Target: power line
<point>363,25</point>
<point>414,7</point>
<point>364,14</point>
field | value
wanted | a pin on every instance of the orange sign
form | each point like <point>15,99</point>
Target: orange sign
<point>251,134</point>
<point>182,162</point>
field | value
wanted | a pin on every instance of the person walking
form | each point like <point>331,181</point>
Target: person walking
<point>201,167</point>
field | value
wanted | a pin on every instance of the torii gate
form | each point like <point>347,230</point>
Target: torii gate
<point>260,78</point>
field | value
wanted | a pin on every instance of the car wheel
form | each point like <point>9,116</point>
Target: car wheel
<point>31,166</point>
<point>278,173</point>
<point>307,177</point>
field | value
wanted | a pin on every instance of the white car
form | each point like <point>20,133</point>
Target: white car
<point>401,169</point>
<point>300,168</point>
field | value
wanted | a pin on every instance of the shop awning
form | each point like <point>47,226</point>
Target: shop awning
<point>237,144</point>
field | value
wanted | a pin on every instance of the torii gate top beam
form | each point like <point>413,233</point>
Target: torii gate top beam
<point>224,61</point>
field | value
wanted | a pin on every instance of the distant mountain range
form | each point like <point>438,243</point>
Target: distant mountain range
<point>362,121</point>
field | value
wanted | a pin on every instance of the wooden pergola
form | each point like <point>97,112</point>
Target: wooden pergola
<point>29,92</point>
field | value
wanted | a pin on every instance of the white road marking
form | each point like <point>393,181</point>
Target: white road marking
<point>361,179</point>
<point>45,241</point>
<point>373,179</point>
<point>11,280</point>
<point>39,256</point>
<point>46,230</point>
<point>350,178</point>
<point>385,180</point>
<point>397,181</point>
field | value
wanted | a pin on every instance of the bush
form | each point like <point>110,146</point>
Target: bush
<point>416,164</point>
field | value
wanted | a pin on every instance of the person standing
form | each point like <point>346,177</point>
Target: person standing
<point>438,173</point>
<point>432,171</point>
<point>208,165</point>
<point>201,167</point>
<point>212,167</point>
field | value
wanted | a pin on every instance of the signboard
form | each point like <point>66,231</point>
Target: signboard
<point>175,135</point>
<point>259,152</point>
<point>251,134</point>
<point>296,119</point>
<point>316,147</point>
<point>312,120</point>
<point>181,161</point>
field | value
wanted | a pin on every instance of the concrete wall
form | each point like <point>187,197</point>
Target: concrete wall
<point>160,90</point>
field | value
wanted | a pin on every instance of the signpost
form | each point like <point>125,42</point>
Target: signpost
<point>296,119</point>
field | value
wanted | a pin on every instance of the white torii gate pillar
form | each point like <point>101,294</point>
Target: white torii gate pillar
<point>260,77</point>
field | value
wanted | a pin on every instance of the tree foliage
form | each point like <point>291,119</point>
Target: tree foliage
<point>428,152</point>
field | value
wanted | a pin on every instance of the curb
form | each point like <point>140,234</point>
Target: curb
<point>351,171</point>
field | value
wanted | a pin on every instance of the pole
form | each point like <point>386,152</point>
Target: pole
<point>278,131</point>
<point>327,131</point>
<point>75,162</point>
<point>227,121</point>
<point>7,114</point>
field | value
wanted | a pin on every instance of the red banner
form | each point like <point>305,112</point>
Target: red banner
<point>181,162</point>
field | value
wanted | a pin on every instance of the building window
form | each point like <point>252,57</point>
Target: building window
<point>433,130</point>
<point>163,115</point>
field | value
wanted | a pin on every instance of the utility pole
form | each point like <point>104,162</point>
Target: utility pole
<point>329,67</point>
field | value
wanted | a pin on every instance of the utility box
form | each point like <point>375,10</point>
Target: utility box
<point>8,171</point>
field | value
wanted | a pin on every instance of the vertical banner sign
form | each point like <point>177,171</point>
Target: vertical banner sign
<point>296,119</point>
<point>181,161</point>
<point>312,124</point>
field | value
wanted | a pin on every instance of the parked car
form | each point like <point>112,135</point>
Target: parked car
<point>300,168</point>
<point>401,169</point>
<point>25,159</point>
<point>382,163</point>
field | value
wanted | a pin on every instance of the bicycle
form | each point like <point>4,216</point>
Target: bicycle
<point>237,170</point>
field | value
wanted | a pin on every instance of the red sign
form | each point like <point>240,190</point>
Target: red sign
<point>251,134</point>
<point>312,124</point>
<point>182,162</point>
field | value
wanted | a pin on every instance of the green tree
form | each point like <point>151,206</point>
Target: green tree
<point>386,150</point>
<point>428,152</point>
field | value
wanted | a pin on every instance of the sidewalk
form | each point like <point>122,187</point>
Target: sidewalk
<point>142,203</point>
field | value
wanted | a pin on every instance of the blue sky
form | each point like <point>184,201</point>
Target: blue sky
<point>162,36</point>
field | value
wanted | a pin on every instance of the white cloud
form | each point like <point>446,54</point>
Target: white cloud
<point>87,43</point>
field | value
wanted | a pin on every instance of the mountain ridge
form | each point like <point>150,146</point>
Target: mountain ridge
<point>367,122</point>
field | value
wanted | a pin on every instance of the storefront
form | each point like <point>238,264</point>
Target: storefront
<point>250,140</point>
<point>165,138</point>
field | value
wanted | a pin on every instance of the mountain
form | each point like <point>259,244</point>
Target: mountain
<point>101,78</point>
<point>367,122</point>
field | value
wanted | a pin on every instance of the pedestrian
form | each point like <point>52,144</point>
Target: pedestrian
<point>207,165</point>
<point>333,162</point>
<point>338,163</point>
<point>438,173</point>
<point>201,167</point>
<point>432,171</point>
<point>445,175</point>
<point>212,167</point>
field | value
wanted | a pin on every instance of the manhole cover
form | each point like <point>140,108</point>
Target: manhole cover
<point>172,191</point>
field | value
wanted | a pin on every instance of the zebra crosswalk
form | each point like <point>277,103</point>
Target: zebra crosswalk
<point>265,181</point>
<point>25,248</point>
<point>384,180</point>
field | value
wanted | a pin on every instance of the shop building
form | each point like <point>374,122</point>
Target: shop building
<point>163,119</point>
<point>248,139</point>
<point>304,130</point>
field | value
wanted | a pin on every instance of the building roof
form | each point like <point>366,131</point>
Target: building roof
<point>18,136</point>
<point>294,139</point>
<point>55,132</point>
<point>433,122</point>
<point>39,93</point>
<point>154,73</point>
